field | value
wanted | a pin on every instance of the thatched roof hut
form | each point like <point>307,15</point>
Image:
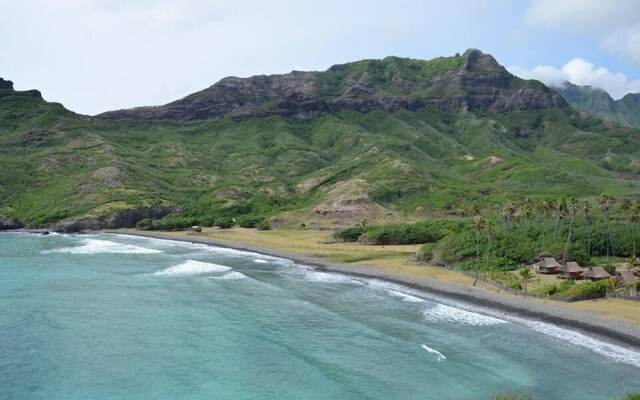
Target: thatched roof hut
<point>548,265</point>
<point>596,273</point>
<point>627,278</point>
<point>571,270</point>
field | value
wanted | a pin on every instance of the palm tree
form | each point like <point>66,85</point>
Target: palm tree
<point>573,209</point>
<point>561,211</point>
<point>633,218</point>
<point>586,210</point>
<point>628,209</point>
<point>526,276</point>
<point>605,204</point>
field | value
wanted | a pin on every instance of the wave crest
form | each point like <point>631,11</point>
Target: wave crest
<point>442,313</point>
<point>192,267</point>
<point>97,246</point>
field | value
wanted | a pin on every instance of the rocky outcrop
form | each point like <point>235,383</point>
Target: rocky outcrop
<point>473,81</point>
<point>122,219</point>
<point>129,218</point>
<point>6,87</point>
<point>7,223</point>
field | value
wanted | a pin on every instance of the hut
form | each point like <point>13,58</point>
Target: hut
<point>547,265</point>
<point>571,270</point>
<point>627,278</point>
<point>596,274</point>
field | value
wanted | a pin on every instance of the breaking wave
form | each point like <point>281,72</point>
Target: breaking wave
<point>230,276</point>
<point>192,267</point>
<point>97,246</point>
<point>442,313</point>
<point>439,356</point>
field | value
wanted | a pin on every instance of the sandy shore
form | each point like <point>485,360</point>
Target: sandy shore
<point>612,319</point>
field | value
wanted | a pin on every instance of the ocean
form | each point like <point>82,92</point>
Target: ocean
<point>121,317</point>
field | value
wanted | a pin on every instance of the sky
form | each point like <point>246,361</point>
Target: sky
<point>99,55</point>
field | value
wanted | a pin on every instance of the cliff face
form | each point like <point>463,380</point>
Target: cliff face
<point>473,81</point>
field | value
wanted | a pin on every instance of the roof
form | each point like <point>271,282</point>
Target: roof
<point>596,273</point>
<point>627,277</point>
<point>572,267</point>
<point>551,262</point>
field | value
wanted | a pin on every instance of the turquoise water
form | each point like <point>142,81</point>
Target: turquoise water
<point>118,317</point>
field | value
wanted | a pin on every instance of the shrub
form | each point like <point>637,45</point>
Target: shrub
<point>249,221</point>
<point>225,223</point>
<point>145,224</point>
<point>349,234</point>
<point>586,290</point>
<point>425,253</point>
<point>421,232</point>
<point>264,226</point>
<point>610,268</point>
<point>547,290</point>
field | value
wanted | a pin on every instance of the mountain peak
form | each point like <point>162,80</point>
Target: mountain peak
<point>473,81</point>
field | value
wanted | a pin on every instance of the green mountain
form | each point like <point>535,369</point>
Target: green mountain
<point>378,139</point>
<point>599,103</point>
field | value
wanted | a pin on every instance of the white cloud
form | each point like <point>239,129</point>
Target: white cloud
<point>581,72</point>
<point>615,23</point>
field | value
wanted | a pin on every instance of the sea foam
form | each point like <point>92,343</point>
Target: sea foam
<point>97,246</point>
<point>192,267</point>
<point>609,350</point>
<point>230,276</point>
<point>324,277</point>
<point>439,356</point>
<point>442,313</point>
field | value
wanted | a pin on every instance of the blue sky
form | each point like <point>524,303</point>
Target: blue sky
<point>98,55</point>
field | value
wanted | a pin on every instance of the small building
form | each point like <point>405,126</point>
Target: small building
<point>596,274</point>
<point>571,271</point>
<point>547,265</point>
<point>627,278</point>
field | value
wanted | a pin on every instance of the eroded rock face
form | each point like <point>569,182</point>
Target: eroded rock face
<point>7,223</point>
<point>121,219</point>
<point>129,218</point>
<point>471,81</point>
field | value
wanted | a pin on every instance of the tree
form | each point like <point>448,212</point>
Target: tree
<point>561,208</point>
<point>573,209</point>
<point>606,204</point>
<point>586,211</point>
<point>527,276</point>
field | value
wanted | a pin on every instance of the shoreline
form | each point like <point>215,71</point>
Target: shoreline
<point>530,308</point>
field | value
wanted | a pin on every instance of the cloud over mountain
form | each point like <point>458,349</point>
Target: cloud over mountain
<point>581,72</point>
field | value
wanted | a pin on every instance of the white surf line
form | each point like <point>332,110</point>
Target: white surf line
<point>98,246</point>
<point>210,247</point>
<point>192,267</point>
<point>439,356</point>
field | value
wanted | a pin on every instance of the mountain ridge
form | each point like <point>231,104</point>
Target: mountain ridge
<point>491,138</point>
<point>473,81</point>
<point>597,101</point>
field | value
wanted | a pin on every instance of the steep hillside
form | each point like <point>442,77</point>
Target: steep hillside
<point>598,102</point>
<point>381,140</point>
<point>473,81</point>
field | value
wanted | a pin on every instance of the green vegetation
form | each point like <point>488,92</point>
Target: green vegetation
<point>424,163</point>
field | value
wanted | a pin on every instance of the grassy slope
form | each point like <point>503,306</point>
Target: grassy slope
<point>56,164</point>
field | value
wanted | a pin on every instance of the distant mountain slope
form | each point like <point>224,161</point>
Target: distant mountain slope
<point>333,150</point>
<point>473,81</point>
<point>598,102</point>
